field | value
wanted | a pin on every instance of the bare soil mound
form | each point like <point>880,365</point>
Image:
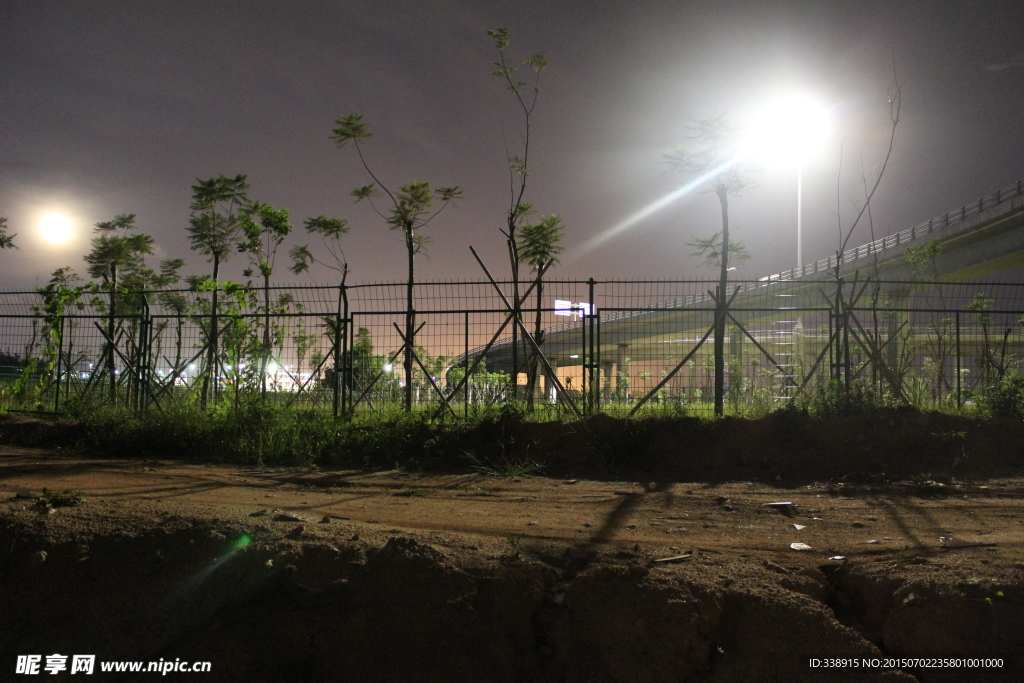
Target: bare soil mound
<point>654,550</point>
<point>786,445</point>
<point>375,605</point>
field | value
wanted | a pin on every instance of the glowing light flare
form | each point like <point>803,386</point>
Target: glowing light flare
<point>56,228</point>
<point>655,206</point>
<point>789,130</point>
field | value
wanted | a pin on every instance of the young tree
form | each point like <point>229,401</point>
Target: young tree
<point>541,244</point>
<point>525,95</point>
<point>713,159</point>
<point>116,253</point>
<point>217,207</point>
<point>709,250</point>
<point>265,228</point>
<point>331,231</point>
<point>412,209</point>
<point>6,241</point>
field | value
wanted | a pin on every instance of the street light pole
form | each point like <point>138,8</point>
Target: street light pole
<point>799,217</point>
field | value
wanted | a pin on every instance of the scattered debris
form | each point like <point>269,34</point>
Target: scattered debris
<point>38,557</point>
<point>785,507</point>
<point>799,527</point>
<point>838,558</point>
<point>674,558</point>
<point>873,541</point>
<point>800,546</point>
<point>571,481</point>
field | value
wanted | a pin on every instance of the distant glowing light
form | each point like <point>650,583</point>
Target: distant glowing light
<point>789,130</point>
<point>387,367</point>
<point>56,228</point>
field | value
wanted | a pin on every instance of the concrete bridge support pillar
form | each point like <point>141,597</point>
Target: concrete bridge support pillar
<point>622,372</point>
<point>607,369</point>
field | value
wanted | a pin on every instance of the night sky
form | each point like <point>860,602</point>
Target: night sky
<point>117,107</point>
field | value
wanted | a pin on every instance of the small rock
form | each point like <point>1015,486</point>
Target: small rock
<point>286,517</point>
<point>326,519</point>
<point>269,564</point>
<point>571,481</point>
<point>873,542</point>
<point>858,525</point>
<point>631,526</point>
<point>531,524</point>
<point>216,535</point>
<point>25,494</point>
<point>728,508</point>
<point>587,524</point>
<point>297,532</point>
<point>38,557</point>
<point>259,513</point>
<point>721,500</point>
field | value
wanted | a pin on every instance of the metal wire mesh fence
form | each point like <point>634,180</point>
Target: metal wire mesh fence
<point>573,347</point>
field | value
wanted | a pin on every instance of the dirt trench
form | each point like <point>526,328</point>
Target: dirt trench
<point>381,605</point>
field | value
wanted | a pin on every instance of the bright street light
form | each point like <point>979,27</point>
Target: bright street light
<point>790,131</point>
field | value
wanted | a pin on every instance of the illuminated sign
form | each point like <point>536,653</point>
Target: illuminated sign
<point>575,310</point>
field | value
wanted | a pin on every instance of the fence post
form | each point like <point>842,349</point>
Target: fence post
<point>595,350</point>
<point>959,374</point>
<point>60,364</point>
<point>465,358</point>
<point>338,385</point>
<point>145,359</point>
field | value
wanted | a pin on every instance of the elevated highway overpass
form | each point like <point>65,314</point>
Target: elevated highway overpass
<point>979,238</point>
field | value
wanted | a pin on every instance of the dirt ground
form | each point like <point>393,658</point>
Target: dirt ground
<point>283,574</point>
